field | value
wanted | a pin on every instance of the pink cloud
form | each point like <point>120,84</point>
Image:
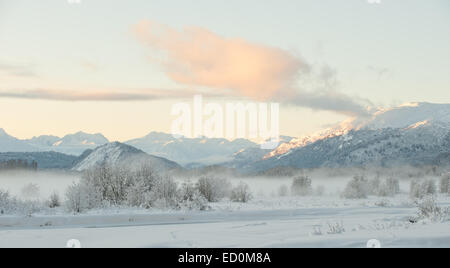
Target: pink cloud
<point>198,57</point>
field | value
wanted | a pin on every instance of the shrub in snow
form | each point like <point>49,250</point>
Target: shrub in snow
<point>444,184</point>
<point>388,187</point>
<point>393,184</point>
<point>163,194</point>
<point>283,190</point>
<point>213,189</point>
<point>336,228</point>
<point>80,197</point>
<point>142,183</point>
<point>54,200</point>
<point>11,205</point>
<point>421,188</point>
<point>6,202</point>
<point>301,186</point>
<point>316,230</point>
<point>357,188</point>
<point>110,183</point>
<point>428,209</point>
<point>374,185</point>
<point>190,197</point>
<point>241,193</point>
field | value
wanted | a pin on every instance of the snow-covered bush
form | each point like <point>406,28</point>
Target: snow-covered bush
<point>374,185</point>
<point>444,184</point>
<point>110,183</point>
<point>213,189</point>
<point>428,209</point>
<point>6,202</point>
<point>301,186</point>
<point>241,193</point>
<point>357,188</point>
<point>386,187</point>
<point>80,197</point>
<point>422,187</point>
<point>163,194</point>
<point>283,190</point>
<point>142,183</point>
<point>336,228</point>
<point>190,197</point>
<point>13,206</point>
<point>54,200</point>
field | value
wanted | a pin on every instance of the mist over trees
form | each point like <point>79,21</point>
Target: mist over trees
<point>18,164</point>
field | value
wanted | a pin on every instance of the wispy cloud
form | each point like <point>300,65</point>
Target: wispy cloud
<point>198,57</point>
<point>67,95</point>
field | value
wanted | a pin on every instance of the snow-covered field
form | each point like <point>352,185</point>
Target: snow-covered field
<point>275,222</point>
<point>266,221</point>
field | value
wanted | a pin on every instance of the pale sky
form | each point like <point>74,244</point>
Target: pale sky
<point>62,64</point>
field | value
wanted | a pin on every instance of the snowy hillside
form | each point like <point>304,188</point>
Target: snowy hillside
<point>408,115</point>
<point>121,154</point>
<point>419,145</point>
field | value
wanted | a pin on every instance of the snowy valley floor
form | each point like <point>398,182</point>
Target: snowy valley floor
<point>274,222</point>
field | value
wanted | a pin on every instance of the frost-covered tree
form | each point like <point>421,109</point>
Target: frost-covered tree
<point>54,200</point>
<point>80,197</point>
<point>6,202</point>
<point>444,184</point>
<point>420,188</point>
<point>213,189</point>
<point>357,188</point>
<point>190,197</point>
<point>283,190</point>
<point>241,193</point>
<point>142,182</point>
<point>163,194</point>
<point>302,186</point>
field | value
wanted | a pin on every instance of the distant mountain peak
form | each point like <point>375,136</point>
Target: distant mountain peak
<point>3,132</point>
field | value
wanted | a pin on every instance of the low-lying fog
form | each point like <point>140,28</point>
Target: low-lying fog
<point>22,183</point>
<point>41,184</point>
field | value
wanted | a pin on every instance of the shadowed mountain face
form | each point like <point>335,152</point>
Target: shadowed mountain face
<point>119,154</point>
<point>113,154</point>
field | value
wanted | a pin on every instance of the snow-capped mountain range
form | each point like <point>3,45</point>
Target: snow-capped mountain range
<point>73,144</point>
<point>185,151</point>
<point>191,151</point>
<point>413,133</point>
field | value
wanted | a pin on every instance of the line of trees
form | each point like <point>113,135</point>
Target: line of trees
<point>104,186</point>
<point>18,164</point>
